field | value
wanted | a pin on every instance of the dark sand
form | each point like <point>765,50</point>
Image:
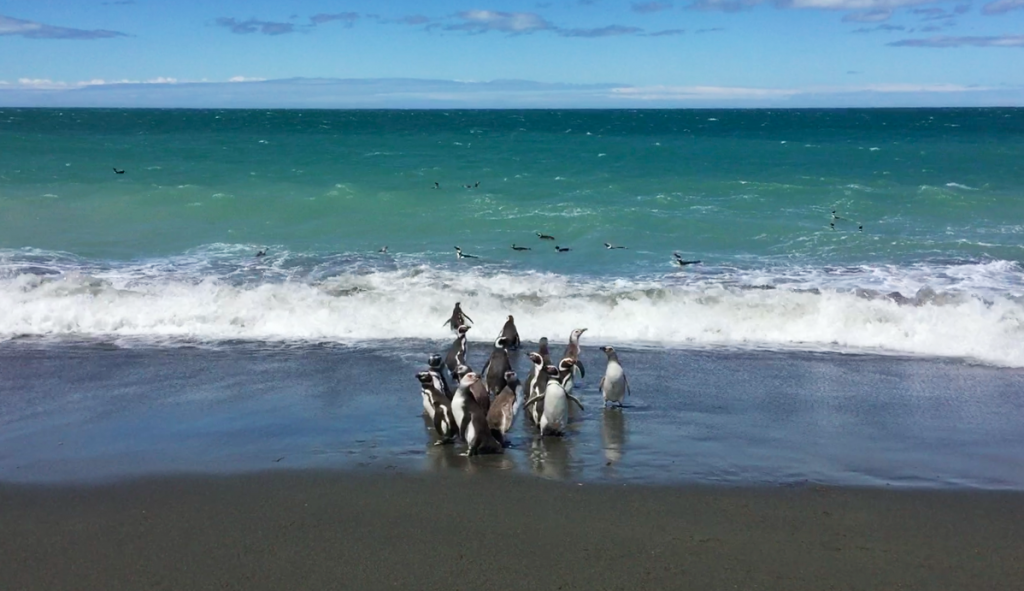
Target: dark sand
<point>496,530</point>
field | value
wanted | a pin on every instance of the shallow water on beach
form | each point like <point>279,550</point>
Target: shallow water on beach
<point>96,411</point>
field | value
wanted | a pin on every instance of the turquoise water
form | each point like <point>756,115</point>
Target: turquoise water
<point>164,252</point>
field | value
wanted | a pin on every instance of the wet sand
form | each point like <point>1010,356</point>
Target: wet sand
<point>493,529</point>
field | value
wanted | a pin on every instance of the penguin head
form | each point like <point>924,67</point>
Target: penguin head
<point>435,361</point>
<point>566,364</point>
<point>500,343</point>
<point>510,319</point>
<point>551,370</point>
<point>607,349</point>
<point>424,377</point>
<point>536,358</point>
<point>510,376</point>
<point>576,334</point>
<point>462,370</point>
<point>463,329</point>
<point>469,379</point>
<point>543,342</point>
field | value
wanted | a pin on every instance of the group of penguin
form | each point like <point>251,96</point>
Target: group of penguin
<point>482,408</point>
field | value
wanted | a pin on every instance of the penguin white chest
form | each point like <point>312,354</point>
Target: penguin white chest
<point>428,404</point>
<point>614,387</point>
<point>556,409</point>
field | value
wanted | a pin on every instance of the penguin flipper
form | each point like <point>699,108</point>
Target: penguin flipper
<point>583,370</point>
<point>574,399</point>
<point>627,384</point>
<point>464,315</point>
<point>533,400</point>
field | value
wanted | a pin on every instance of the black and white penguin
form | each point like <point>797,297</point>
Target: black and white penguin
<point>440,412</point>
<point>478,389</point>
<point>261,253</point>
<point>503,410</point>
<point>461,255</point>
<point>554,417</point>
<point>545,236</point>
<point>510,334</point>
<point>566,369</point>
<point>116,171</point>
<point>613,385</point>
<point>472,419</point>
<point>572,350</point>
<point>611,246</point>
<point>562,248</point>
<point>520,248</point>
<point>497,365</point>
<point>436,369</point>
<point>383,250</point>
<point>679,260</point>
<point>457,352</point>
<point>536,384</point>
<point>457,319</point>
<point>542,348</point>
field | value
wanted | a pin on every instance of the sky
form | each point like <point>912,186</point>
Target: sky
<point>506,53</point>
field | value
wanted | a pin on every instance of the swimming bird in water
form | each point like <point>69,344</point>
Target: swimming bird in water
<point>457,319</point>
<point>383,250</point>
<point>679,260</point>
<point>476,184</point>
<point>610,246</point>
<point>514,247</point>
<point>562,248</point>
<point>437,185</point>
<point>462,255</point>
<point>116,171</point>
<point>834,216</point>
<point>261,253</point>
<point>613,384</point>
<point>545,236</point>
<point>832,225</point>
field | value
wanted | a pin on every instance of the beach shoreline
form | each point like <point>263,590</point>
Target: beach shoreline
<point>329,529</point>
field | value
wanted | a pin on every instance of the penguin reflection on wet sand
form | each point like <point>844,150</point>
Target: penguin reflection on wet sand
<point>472,419</point>
<point>554,418</point>
<point>502,414</point>
<point>458,318</point>
<point>613,385</point>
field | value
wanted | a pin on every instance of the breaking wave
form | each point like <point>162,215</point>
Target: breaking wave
<point>960,309</point>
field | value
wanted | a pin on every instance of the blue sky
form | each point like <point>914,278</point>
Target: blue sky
<point>574,52</point>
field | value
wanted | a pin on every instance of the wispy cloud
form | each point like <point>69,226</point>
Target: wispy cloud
<point>876,15</point>
<point>711,30</point>
<point>609,31</point>
<point>412,19</point>
<point>14,26</point>
<point>484,21</point>
<point>723,5</point>
<point>1002,6</point>
<point>886,28</point>
<point>649,7</point>
<point>667,33</point>
<point>944,41</point>
<point>252,25</point>
<point>348,17</point>
<point>738,93</point>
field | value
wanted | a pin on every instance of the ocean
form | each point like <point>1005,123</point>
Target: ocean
<point>827,238</point>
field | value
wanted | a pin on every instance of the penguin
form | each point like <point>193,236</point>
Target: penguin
<point>510,334</point>
<point>457,319</point>
<point>613,385</point>
<point>536,382</point>
<point>572,351</point>
<point>545,236</point>
<point>554,418</point>
<point>562,248</point>
<point>542,348</point>
<point>834,216</point>
<point>436,185</point>
<point>383,250</point>
<point>565,374</point>
<point>436,364</point>
<point>679,260</point>
<point>440,411</point>
<point>461,255</point>
<point>610,246</point>
<point>503,410</point>
<point>497,365</point>
<point>457,353</point>
<point>520,248</point>
<point>478,389</point>
<point>261,253</point>
<point>116,171</point>
<point>472,419</point>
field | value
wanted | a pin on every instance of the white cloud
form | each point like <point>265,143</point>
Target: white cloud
<point>742,93</point>
<point>245,79</point>
<point>482,21</point>
<point>945,42</point>
<point>1002,6</point>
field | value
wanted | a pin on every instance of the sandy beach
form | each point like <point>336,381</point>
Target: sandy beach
<point>345,530</point>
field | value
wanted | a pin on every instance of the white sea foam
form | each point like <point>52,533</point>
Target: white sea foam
<point>964,311</point>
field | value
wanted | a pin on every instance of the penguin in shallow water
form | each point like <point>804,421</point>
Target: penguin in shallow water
<point>457,319</point>
<point>472,419</point>
<point>478,389</point>
<point>679,260</point>
<point>566,369</point>
<point>510,334</point>
<point>542,348</point>
<point>554,417</point>
<point>439,409</point>
<point>497,365</point>
<point>461,255</point>
<point>436,366</point>
<point>572,351</point>
<point>503,410</point>
<point>614,386</point>
<point>457,353</point>
<point>536,384</point>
